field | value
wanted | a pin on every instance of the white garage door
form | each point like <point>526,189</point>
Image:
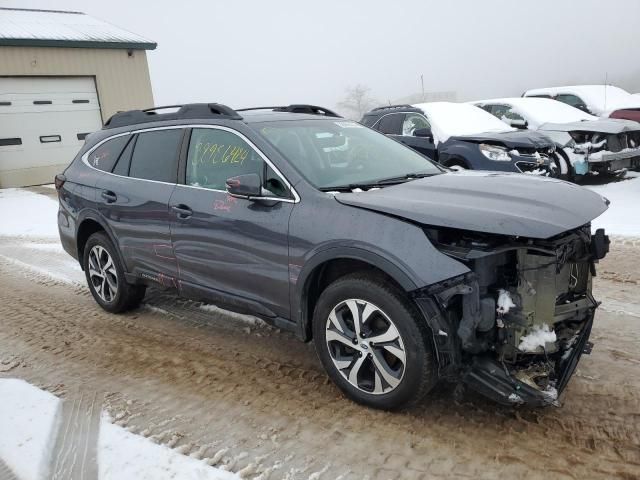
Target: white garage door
<point>43,122</point>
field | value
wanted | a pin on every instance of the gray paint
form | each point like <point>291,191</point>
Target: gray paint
<point>257,257</point>
<point>491,202</point>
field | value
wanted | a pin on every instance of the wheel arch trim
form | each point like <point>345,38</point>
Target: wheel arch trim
<point>317,261</point>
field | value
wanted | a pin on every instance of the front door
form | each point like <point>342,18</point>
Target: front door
<point>425,145</point>
<point>231,250</point>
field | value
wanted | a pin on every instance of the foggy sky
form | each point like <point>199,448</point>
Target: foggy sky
<point>261,52</point>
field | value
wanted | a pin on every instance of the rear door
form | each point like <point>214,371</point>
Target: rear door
<point>231,250</point>
<point>134,199</point>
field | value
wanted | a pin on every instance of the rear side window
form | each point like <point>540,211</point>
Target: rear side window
<point>390,124</point>
<point>122,165</point>
<point>155,156</point>
<point>104,157</point>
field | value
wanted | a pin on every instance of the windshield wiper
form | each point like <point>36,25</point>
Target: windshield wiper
<point>404,178</point>
<point>385,182</point>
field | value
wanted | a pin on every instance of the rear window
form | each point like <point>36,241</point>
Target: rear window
<point>155,156</point>
<point>104,157</point>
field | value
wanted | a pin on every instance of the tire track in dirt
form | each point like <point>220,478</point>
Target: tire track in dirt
<point>74,454</point>
<point>6,473</point>
<point>259,402</point>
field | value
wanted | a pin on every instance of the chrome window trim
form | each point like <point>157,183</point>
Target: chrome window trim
<point>295,199</point>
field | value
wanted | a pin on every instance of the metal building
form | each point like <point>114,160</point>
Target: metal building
<point>62,75</point>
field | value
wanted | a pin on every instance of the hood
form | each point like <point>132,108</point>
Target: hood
<point>516,139</point>
<point>604,125</point>
<point>490,202</point>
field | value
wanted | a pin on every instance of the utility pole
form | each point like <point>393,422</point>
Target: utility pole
<point>422,83</point>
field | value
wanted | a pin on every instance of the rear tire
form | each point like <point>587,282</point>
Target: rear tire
<point>105,276</point>
<point>386,362</point>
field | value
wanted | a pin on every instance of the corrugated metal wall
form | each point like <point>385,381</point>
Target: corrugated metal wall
<point>122,81</point>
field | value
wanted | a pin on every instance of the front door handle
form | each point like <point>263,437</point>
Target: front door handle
<point>109,196</point>
<point>182,211</point>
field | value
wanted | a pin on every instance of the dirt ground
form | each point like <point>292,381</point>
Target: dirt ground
<point>255,401</point>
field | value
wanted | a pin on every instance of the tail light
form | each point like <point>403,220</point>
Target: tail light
<point>59,181</point>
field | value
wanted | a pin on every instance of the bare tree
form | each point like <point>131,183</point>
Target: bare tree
<point>357,101</point>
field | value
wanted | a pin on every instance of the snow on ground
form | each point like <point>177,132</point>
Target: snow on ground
<point>27,421</point>
<point>28,425</point>
<point>623,216</point>
<point>125,456</point>
<point>26,213</point>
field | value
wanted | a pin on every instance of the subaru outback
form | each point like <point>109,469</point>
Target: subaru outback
<point>402,273</point>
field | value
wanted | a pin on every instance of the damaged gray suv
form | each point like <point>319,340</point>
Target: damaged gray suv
<point>401,272</point>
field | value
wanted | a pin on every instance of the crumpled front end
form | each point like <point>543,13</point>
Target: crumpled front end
<point>518,324</point>
<point>593,152</point>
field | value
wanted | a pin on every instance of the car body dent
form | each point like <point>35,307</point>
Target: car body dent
<point>487,202</point>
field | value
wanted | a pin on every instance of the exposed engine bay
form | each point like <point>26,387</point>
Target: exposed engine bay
<point>522,318</point>
<point>598,148</point>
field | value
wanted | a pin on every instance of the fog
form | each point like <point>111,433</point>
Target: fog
<point>247,53</point>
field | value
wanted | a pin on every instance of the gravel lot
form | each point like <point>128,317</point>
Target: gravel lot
<point>255,401</point>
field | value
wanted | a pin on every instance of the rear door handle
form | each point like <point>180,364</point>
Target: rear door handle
<point>109,196</point>
<point>182,211</point>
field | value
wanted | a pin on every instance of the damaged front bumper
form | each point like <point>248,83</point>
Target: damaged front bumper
<point>515,326</point>
<point>502,385</point>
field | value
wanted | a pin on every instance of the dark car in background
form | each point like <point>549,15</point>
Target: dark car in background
<point>401,272</point>
<point>462,136</point>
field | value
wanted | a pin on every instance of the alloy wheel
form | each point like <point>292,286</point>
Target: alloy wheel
<point>102,273</point>
<point>365,346</point>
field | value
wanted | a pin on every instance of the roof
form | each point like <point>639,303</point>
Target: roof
<point>191,111</point>
<point>450,119</point>
<point>600,99</point>
<point>55,28</point>
<point>537,111</point>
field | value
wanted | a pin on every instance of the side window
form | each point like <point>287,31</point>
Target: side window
<point>122,165</point>
<point>572,100</point>
<point>216,155</point>
<point>390,124</point>
<point>413,122</point>
<point>104,157</point>
<point>155,156</point>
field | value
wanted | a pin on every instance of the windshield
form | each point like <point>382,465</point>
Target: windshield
<point>339,153</point>
<point>460,119</point>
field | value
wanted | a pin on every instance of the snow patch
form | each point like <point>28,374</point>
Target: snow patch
<point>251,320</point>
<point>505,303</point>
<point>452,119</point>
<point>538,337</point>
<point>44,271</point>
<point>125,456</point>
<point>27,426</point>
<point>622,216</point>
<point>26,213</point>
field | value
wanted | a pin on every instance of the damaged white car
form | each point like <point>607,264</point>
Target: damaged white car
<point>588,144</point>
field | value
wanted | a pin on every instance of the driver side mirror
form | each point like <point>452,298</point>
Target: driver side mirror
<point>423,132</point>
<point>245,186</point>
<point>520,124</point>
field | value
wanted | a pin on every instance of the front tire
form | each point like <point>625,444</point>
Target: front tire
<point>105,276</point>
<point>373,342</point>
